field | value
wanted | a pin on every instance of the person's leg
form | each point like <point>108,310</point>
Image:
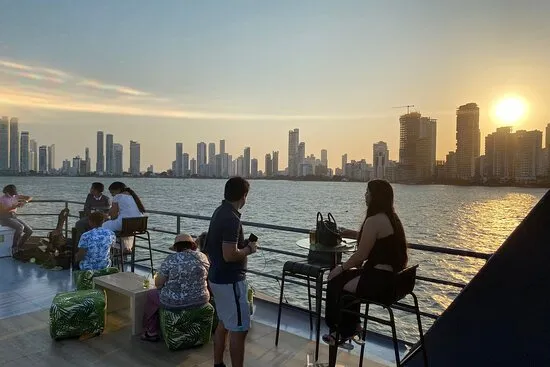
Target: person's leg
<point>27,232</point>
<point>239,331</point>
<point>333,317</point>
<point>151,322</point>
<point>14,224</point>
<point>237,341</point>
<point>220,337</point>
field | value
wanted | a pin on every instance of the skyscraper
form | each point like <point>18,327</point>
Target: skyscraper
<point>417,147</point>
<point>499,153</point>
<point>222,146</point>
<point>254,168</point>
<point>43,159</point>
<point>275,163</point>
<point>118,158</point>
<point>109,154</point>
<point>185,170</point>
<point>34,156</point>
<point>202,168</point>
<point>467,140</point>
<point>14,144</point>
<point>179,160</point>
<point>99,166</point>
<point>135,154</point>
<point>344,164</point>
<point>268,165</point>
<point>4,143</point>
<point>380,159</point>
<point>293,140</point>
<point>193,166</point>
<point>300,157</point>
<point>324,157</point>
<point>246,162</point>
<point>527,163</point>
<point>25,152</point>
<point>211,159</point>
<point>51,158</point>
<point>87,161</point>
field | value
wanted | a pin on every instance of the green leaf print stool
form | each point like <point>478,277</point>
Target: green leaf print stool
<point>77,313</point>
<point>186,328</point>
<point>84,279</point>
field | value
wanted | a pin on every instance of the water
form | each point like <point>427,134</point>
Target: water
<point>474,218</point>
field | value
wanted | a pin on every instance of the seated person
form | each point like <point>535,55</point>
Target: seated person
<point>94,246</point>
<point>95,201</point>
<point>180,284</point>
<point>9,203</point>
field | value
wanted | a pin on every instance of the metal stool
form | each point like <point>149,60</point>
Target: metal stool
<point>136,228</point>
<point>307,272</point>
<point>403,285</point>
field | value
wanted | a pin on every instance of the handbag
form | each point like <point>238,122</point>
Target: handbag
<point>327,231</point>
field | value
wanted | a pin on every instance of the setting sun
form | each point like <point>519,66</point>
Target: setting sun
<point>510,110</point>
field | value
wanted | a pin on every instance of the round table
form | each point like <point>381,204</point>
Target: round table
<point>347,245</point>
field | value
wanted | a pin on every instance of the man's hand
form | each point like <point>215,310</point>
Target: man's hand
<point>253,247</point>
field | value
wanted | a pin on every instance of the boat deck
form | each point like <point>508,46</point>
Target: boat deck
<point>26,294</point>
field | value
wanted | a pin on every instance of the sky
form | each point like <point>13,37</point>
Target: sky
<point>248,71</point>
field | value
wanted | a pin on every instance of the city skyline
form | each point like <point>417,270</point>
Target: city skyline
<point>258,70</point>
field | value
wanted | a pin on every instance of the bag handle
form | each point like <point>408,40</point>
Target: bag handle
<point>321,216</point>
<point>331,218</point>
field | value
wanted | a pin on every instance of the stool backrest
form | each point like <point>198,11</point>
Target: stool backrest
<point>404,281</point>
<point>133,226</point>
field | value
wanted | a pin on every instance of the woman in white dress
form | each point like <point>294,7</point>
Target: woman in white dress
<point>126,204</point>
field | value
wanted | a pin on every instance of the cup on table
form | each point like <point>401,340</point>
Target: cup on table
<point>312,237</point>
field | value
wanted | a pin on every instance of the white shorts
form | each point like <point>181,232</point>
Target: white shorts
<point>232,304</point>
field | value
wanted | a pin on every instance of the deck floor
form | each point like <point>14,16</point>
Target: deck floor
<point>25,341</point>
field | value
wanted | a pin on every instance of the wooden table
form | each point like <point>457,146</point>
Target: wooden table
<point>125,291</point>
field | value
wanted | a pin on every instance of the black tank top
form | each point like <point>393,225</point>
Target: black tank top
<point>388,251</point>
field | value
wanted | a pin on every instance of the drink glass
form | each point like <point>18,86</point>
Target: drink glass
<point>146,283</point>
<point>312,237</point>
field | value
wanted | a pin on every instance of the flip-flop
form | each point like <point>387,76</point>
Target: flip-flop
<point>343,343</point>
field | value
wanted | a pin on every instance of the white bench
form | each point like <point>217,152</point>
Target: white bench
<point>6,241</point>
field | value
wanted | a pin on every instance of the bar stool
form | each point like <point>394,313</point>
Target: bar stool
<point>402,285</point>
<point>308,272</point>
<point>136,228</point>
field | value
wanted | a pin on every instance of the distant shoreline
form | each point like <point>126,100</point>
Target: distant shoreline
<point>540,184</point>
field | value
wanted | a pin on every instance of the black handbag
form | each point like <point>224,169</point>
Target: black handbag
<point>327,232</point>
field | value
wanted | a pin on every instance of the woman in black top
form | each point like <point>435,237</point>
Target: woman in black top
<point>381,252</point>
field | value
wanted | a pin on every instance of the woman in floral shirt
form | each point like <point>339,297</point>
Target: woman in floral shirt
<point>94,246</point>
<point>180,284</point>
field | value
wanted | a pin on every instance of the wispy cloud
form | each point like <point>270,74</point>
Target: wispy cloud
<point>79,94</point>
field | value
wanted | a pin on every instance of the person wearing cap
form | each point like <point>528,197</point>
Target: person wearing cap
<point>9,202</point>
<point>181,283</point>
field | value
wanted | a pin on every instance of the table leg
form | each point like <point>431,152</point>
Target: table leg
<point>115,300</point>
<point>137,307</point>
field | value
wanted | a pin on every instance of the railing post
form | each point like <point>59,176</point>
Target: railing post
<point>67,221</point>
<point>178,224</point>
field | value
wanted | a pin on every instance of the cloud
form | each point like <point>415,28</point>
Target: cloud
<point>74,93</point>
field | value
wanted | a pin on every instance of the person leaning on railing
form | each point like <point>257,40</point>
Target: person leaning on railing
<point>9,203</point>
<point>381,252</point>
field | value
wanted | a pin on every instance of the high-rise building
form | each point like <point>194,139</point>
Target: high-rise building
<point>66,166</point>
<point>202,168</point>
<point>547,137</point>
<point>467,140</point>
<point>76,165</point>
<point>380,159</point>
<point>324,157</point>
<point>275,163</point>
<point>417,147</point>
<point>344,164</point>
<point>43,159</point>
<point>240,166</point>
<point>109,154</point>
<point>222,146</point>
<point>118,168</point>
<point>179,160</point>
<point>185,164</point>
<point>225,164</point>
<point>25,152</point>
<point>254,168</point>
<point>34,156</point>
<point>193,166</point>
<point>135,156</point>
<point>211,159</point>
<point>87,162</point>
<point>499,154</point>
<point>51,158</point>
<point>14,144</point>
<point>301,156</point>
<point>293,141</point>
<point>246,162</point>
<point>528,160</point>
<point>268,165</point>
<point>4,143</point>
<point>99,166</point>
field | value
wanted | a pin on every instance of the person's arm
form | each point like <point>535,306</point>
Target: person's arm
<point>81,254</point>
<point>113,212</point>
<point>4,208</point>
<point>162,275</point>
<point>88,205</point>
<point>348,233</point>
<point>24,198</point>
<point>230,236</point>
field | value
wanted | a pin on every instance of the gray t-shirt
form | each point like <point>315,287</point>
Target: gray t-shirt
<point>103,203</point>
<point>186,274</point>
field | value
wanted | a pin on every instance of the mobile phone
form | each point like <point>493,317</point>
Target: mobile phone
<point>252,238</point>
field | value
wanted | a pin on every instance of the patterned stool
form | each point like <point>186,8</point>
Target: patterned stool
<point>186,328</point>
<point>84,278</point>
<point>77,313</point>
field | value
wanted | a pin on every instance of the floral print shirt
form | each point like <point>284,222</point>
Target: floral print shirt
<point>98,242</point>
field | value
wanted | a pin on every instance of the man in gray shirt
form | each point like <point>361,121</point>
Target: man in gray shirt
<point>95,201</point>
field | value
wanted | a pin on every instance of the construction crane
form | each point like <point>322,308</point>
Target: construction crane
<point>408,107</point>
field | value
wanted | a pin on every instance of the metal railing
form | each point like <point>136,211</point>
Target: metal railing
<point>180,216</point>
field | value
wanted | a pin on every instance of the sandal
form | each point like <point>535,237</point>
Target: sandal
<point>149,338</point>
<point>343,343</point>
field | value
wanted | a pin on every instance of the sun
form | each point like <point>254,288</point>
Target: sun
<point>510,110</point>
